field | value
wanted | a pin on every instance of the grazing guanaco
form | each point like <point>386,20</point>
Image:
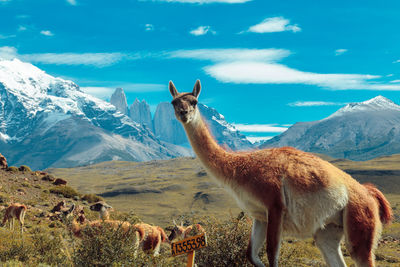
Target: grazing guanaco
<point>290,191</point>
<point>15,211</point>
<point>182,232</point>
<point>102,208</point>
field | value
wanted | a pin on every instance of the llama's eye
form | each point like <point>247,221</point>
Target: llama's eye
<point>194,103</point>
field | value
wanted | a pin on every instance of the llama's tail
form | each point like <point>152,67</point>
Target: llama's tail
<point>164,237</point>
<point>385,211</point>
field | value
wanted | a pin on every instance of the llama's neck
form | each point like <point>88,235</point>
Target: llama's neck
<point>206,148</point>
<point>104,215</point>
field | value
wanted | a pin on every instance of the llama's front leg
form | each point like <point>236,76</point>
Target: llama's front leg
<point>274,233</point>
<point>256,241</point>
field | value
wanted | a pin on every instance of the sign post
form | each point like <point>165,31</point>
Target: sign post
<point>189,245</point>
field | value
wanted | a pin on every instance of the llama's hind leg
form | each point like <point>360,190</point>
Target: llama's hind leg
<point>328,242</point>
<point>257,238</point>
<point>362,229</point>
<point>274,234</point>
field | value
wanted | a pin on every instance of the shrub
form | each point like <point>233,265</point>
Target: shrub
<point>66,191</point>
<point>12,169</point>
<point>24,168</point>
<point>92,198</point>
<point>49,177</point>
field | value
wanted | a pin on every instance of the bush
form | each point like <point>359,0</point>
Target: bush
<point>49,177</point>
<point>12,169</point>
<point>24,168</point>
<point>92,198</point>
<point>66,191</point>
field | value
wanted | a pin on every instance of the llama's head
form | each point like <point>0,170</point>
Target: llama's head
<point>100,206</point>
<point>185,103</point>
<point>176,232</point>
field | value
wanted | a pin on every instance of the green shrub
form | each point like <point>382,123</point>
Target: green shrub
<point>49,177</point>
<point>24,168</point>
<point>92,198</point>
<point>66,191</point>
<point>12,169</point>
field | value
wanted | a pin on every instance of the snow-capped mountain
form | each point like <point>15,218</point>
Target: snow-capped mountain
<point>50,122</point>
<point>169,129</point>
<point>358,131</point>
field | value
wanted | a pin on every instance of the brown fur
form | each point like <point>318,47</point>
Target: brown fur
<point>181,232</point>
<point>261,175</point>
<point>150,236</point>
<point>16,211</point>
<point>3,162</point>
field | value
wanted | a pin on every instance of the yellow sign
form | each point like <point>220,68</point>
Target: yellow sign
<point>189,244</point>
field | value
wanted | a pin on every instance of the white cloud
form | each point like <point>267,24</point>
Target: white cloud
<point>395,81</point>
<point>315,104</point>
<point>148,27</point>
<point>259,128</point>
<point>273,73</point>
<point>7,36</point>
<point>259,66</point>
<point>21,28</point>
<point>8,52</point>
<point>341,51</point>
<point>202,30</point>
<point>229,55</point>
<point>275,24</point>
<point>105,92</point>
<point>88,59</point>
<point>46,33</point>
<point>397,61</point>
<point>72,2</point>
<point>205,1</point>
<point>99,92</point>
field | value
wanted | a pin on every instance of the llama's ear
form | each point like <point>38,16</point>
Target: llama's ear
<point>196,89</point>
<point>172,89</point>
<point>174,222</point>
<point>181,223</point>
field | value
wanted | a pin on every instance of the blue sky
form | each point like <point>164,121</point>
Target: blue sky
<point>263,64</point>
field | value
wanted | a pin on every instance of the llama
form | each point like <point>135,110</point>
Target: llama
<point>152,237</point>
<point>181,232</point>
<point>287,191</point>
<point>102,208</point>
<point>15,211</point>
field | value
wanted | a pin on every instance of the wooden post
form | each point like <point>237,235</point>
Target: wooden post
<point>190,262</point>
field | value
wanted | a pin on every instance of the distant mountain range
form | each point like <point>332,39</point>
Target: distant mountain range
<point>358,131</point>
<point>50,122</point>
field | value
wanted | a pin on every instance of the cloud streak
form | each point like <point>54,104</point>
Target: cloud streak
<point>202,30</point>
<point>98,60</point>
<point>260,66</point>
<point>275,24</point>
<point>315,104</point>
<point>259,128</point>
<point>46,33</point>
<point>341,51</point>
<point>205,1</point>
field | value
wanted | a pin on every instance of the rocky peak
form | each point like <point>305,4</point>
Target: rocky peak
<point>118,99</point>
<point>140,113</point>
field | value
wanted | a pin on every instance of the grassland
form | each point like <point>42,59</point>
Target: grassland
<point>157,192</point>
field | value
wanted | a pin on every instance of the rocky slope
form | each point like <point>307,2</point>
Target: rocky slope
<point>50,122</point>
<point>358,131</point>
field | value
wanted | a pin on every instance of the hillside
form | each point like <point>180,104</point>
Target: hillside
<point>159,190</point>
